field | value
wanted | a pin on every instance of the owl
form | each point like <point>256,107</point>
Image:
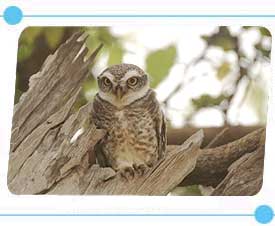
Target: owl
<point>127,109</point>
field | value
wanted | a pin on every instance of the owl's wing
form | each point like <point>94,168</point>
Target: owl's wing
<point>98,148</point>
<point>99,154</point>
<point>161,134</point>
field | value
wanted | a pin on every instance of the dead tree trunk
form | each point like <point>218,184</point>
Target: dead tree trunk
<point>44,161</point>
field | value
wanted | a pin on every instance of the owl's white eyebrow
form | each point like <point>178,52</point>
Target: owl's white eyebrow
<point>108,75</point>
<point>130,74</point>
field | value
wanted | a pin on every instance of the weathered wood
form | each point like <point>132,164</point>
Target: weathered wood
<point>43,122</point>
<point>232,133</point>
<point>213,163</point>
<point>58,80</point>
<point>213,143</point>
<point>159,180</point>
<point>245,176</point>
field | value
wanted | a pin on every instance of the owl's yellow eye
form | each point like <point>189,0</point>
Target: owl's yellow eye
<point>106,81</point>
<point>132,81</point>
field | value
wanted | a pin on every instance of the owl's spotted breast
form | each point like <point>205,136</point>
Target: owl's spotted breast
<point>134,133</point>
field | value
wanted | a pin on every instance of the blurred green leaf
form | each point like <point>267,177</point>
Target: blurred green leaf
<point>89,84</point>
<point>265,32</point>
<point>80,101</point>
<point>192,190</point>
<point>17,95</point>
<point>223,70</point>
<point>115,54</point>
<point>30,34</point>
<point>27,41</point>
<point>206,100</point>
<point>92,44</point>
<point>257,99</point>
<point>159,63</point>
<point>222,38</point>
<point>54,36</point>
<point>24,51</point>
<point>205,38</point>
<point>90,88</point>
<point>103,35</point>
<point>265,52</point>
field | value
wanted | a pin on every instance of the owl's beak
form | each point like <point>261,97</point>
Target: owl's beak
<point>119,91</point>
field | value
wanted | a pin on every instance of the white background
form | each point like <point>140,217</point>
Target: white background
<point>113,204</point>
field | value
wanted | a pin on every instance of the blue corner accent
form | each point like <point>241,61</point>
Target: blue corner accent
<point>13,15</point>
<point>264,214</point>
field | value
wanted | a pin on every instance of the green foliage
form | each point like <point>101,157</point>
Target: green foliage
<point>89,87</point>
<point>17,95</point>
<point>29,37</point>
<point>206,100</point>
<point>159,63</point>
<point>53,36</point>
<point>103,35</point>
<point>265,52</point>
<point>265,32</point>
<point>222,38</point>
<point>259,45</point>
<point>24,51</point>
<point>223,70</point>
<point>30,34</point>
<point>187,191</point>
<point>257,98</point>
<point>26,42</point>
<point>115,54</point>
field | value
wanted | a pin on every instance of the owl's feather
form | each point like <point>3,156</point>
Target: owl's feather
<point>161,135</point>
<point>127,109</point>
<point>145,132</point>
<point>100,156</point>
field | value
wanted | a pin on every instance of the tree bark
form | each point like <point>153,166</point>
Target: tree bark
<point>43,122</point>
<point>245,176</point>
<point>231,133</point>
<point>212,165</point>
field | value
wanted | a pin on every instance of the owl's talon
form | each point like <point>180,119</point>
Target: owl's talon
<point>128,173</point>
<point>141,169</point>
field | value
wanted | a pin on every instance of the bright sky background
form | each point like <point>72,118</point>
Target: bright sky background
<point>140,40</point>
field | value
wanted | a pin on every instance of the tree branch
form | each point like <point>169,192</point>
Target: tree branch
<point>213,163</point>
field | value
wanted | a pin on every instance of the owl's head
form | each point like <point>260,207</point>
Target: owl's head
<point>122,84</point>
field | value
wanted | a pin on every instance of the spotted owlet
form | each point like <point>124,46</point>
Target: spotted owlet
<point>127,108</point>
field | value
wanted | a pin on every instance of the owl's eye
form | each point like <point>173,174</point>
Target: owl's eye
<point>132,81</point>
<point>106,81</point>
